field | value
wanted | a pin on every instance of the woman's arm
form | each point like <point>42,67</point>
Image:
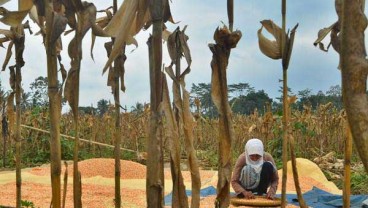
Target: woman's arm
<point>235,183</point>
<point>275,176</point>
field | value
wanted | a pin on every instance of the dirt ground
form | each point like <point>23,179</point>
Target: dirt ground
<point>98,184</point>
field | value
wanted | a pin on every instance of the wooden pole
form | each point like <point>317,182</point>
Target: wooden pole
<point>285,110</point>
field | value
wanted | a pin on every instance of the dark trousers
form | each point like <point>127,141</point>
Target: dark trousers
<point>265,180</point>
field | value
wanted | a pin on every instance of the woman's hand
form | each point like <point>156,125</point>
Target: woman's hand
<point>270,194</point>
<point>248,195</point>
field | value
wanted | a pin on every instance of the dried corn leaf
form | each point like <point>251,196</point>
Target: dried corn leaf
<point>59,26</point>
<point>41,7</point>
<point>113,28</point>
<point>335,40</point>
<point>169,70</point>
<point>188,123</point>
<point>185,49</point>
<point>3,2</point>
<point>7,33</point>
<point>19,46</point>
<point>172,133</point>
<point>71,90</point>
<point>33,15</point>
<point>120,24</point>
<point>8,55</point>
<point>101,22</point>
<point>3,40</point>
<point>321,36</point>
<point>12,78</point>
<point>166,16</point>
<point>12,18</point>
<point>171,45</point>
<point>110,77</point>
<point>165,35</point>
<point>86,18</point>
<point>71,7</point>
<point>289,47</point>
<point>25,5</point>
<point>143,16</point>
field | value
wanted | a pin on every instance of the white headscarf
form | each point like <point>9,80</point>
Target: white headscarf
<point>254,146</point>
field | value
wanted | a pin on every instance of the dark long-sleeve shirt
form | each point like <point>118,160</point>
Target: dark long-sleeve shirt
<point>241,162</point>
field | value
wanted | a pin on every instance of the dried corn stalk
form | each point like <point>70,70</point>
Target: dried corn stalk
<point>280,48</point>
<point>86,17</point>
<point>155,177</point>
<point>177,47</point>
<point>179,197</point>
<point>16,37</point>
<point>354,69</point>
<point>225,40</point>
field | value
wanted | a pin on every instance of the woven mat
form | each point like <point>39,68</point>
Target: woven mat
<point>259,201</point>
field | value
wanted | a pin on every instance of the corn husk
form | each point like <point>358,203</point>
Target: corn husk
<point>270,48</point>
<point>13,18</point>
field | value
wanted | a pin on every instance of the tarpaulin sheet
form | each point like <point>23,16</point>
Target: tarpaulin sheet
<point>314,198</point>
<point>210,190</point>
<point>322,199</point>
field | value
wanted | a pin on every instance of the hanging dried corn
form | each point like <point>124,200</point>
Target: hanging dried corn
<point>225,41</point>
<point>179,197</point>
<point>177,47</point>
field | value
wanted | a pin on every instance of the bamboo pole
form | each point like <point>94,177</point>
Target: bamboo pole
<point>81,140</point>
<point>65,183</point>
<point>18,137</point>
<point>295,173</point>
<point>347,166</point>
<point>19,47</point>
<point>285,110</point>
<point>117,136</point>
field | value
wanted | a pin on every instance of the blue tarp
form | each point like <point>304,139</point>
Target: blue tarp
<point>203,193</point>
<point>322,199</point>
<point>314,198</point>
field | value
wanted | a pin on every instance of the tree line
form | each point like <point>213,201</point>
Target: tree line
<point>243,98</point>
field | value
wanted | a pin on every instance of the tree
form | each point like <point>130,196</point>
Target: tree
<point>102,106</point>
<point>90,110</point>
<point>38,93</point>
<point>247,104</point>
<point>240,89</point>
<point>202,91</point>
<point>138,108</point>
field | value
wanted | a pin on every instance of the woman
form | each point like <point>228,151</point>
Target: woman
<point>254,172</point>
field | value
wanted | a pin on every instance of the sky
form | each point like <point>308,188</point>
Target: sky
<point>310,68</point>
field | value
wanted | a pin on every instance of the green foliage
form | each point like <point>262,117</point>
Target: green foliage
<point>28,204</point>
<point>246,104</point>
<point>274,147</point>
<point>359,182</point>
<point>102,106</point>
